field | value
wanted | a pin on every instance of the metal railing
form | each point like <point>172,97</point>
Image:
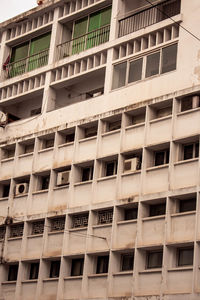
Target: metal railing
<point>149,16</point>
<point>83,42</point>
<point>28,64</point>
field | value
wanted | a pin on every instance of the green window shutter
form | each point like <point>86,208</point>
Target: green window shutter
<point>38,45</point>
<point>94,24</point>
<point>18,58</point>
<point>80,29</point>
<point>105,16</point>
<point>94,21</point>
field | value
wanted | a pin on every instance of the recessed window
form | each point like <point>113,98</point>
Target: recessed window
<point>130,213</point>
<point>58,224</point>
<point>69,138</point>
<point>111,168</point>
<point>127,262</point>
<point>190,102</point>
<point>169,56</point>
<point>190,151</point>
<point>185,256</point>
<point>102,264</point>
<point>77,267</point>
<point>47,141</point>
<point>16,230</point>
<point>34,270</point>
<point>87,173</point>
<point>105,216</point>
<point>12,272</point>
<point>187,205</point>
<point>2,232</point>
<point>154,259</point>
<point>161,157</point>
<point>8,152</point>
<point>5,190</point>
<point>54,269</point>
<point>79,221</point>
<point>157,209</point>
<point>45,179</point>
<point>119,75</point>
<point>90,131</point>
<point>37,227</point>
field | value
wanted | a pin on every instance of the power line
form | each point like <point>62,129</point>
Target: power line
<point>164,13</point>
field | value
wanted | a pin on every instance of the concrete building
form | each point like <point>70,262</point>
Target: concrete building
<point>99,151</point>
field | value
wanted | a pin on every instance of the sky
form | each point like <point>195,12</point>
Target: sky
<point>11,8</point>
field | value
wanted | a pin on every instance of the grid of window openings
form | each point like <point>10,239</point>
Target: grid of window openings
<point>112,162</point>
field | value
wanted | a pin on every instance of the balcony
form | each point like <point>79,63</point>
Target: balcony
<point>149,16</point>
<point>27,64</point>
<point>89,40</point>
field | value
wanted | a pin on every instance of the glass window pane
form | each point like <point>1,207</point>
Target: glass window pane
<point>19,52</point>
<point>119,75</point>
<point>105,16</point>
<point>185,257</point>
<point>152,67</point>
<point>169,55</point>
<point>154,259</point>
<point>135,70</point>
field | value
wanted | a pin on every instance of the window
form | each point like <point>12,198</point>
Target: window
<point>185,256</point>
<point>105,216</point>
<point>37,227</point>
<point>152,66</point>
<point>162,61</point>
<point>28,148</point>
<point>80,220</point>
<point>157,209</point>
<point>57,224</point>
<point>49,143</point>
<point>2,232</point>
<point>34,271</point>
<point>187,205</point>
<point>87,173</point>
<point>130,213</point>
<point>132,162</point>
<point>91,131</point>
<point>77,267</point>
<point>113,125</point>
<point>190,151</point>
<point>12,272</point>
<point>16,230</point>
<point>127,261</point>
<point>45,182</point>
<point>111,168</point>
<point>91,31</point>
<point>190,102</point>
<point>154,259</point>
<point>8,152</point>
<point>69,137</point>
<point>29,55</point>
<point>102,264</point>
<point>54,269</point>
<point>161,157</point>
<point>6,190</point>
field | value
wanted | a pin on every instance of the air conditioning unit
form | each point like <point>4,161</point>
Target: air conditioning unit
<point>132,164</point>
<point>63,178</point>
<point>21,188</point>
<point>3,118</point>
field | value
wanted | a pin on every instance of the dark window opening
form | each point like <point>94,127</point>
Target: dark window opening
<point>45,182</point>
<point>102,264</point>
<point>87,173</point>
<point>185,256</point>
<point>127,262</point>
<point>154,259</point>
<point>130,213</point>
<point>58,224</point>
<point>16,230</point>
<point>135,70</point>
<point>105,216</point>
<point>69,138</point>
<point>80,220</point>
<point>77,267</point>
<point>153,62</point>
<point>161,157</point>
<point>89,132</point>
<point>6,189</point>
<point>37,227</point>
<point>169,56</point>
<point>12,272</point>
<point>157,209</point>
<point>111,168</point>
<point>190,151</point>
<point>34,271</point>
<point>187,205</point>
<point>55,269</point>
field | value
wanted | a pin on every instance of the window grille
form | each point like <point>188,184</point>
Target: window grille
<point>105,216</point>
<point>38,227</point>
<point>2,232</point>
<point>16,230</point>
<point>58,224</point>
<point>80,221</point>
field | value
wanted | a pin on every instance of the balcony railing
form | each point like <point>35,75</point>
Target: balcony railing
<point>28,64</point>
<point>86,41</point>
<point>149,16</point>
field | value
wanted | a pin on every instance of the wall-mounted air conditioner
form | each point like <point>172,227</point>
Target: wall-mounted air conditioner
<point>3,118</point>
<point>63,178</point>
<point>132,164</point>
<point>21,188</point>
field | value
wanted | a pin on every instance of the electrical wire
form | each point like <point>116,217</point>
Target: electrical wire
<point>164,13</point>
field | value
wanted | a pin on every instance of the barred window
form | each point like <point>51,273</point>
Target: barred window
<point>80,220</point>
<point>16,230</point>
<point>58,224</point>
<point>38,227</point>
<point>105,216</point>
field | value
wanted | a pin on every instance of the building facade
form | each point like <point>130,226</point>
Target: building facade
<point>99,151</point>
